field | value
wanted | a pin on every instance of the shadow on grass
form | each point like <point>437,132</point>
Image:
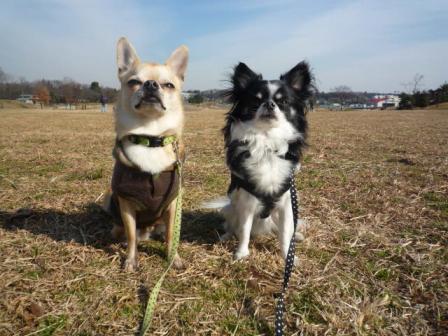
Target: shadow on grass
<point>201,227</point>
<point>91,225</point>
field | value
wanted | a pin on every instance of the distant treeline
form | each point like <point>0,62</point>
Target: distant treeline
<point>424,98</point>
<point>343,95</point>
<point>66,91</point>
<point>57,91</point>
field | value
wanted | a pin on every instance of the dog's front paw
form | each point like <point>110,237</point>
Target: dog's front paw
<point>130,265</point>
<point>240,254</point>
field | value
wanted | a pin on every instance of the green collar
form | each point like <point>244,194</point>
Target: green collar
<point>151,141</point>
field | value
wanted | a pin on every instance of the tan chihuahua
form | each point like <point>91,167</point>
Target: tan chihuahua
<point>149,119</point>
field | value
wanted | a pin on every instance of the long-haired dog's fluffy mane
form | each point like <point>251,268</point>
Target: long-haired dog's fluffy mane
<point>301,99</point>
<point>265,134</point>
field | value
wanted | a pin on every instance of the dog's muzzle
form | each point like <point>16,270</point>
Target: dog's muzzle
<point>151,94</point>
<point>268,111</point>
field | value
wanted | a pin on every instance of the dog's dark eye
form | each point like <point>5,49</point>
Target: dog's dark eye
<point>168,85</point>
<point>257,98</point>
<point>282,101</point>
<point>134,82</point>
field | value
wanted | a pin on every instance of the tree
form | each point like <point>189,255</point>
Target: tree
<point>405,101</point>
<point>343,94</point>
<point>415,84</point>
<point>95,86</point>
<point>421,99</point>
<point>196,99</point>
<point>71,91</point>
<point>42,92</point>
<point>4,77</point>
<point>60,91</point>
<point>442,93</point>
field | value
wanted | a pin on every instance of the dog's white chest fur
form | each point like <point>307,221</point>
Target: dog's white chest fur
<point>265,167</point>
<point>150,159</point>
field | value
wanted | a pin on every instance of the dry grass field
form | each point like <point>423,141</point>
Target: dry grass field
<point>374,192</point>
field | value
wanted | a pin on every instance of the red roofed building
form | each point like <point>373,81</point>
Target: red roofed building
<point>383,101</point>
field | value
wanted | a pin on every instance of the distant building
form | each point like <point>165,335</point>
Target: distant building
<point>384,101</point>
<point>335,106</point>
<point>27,98</point>
<point>187,94</point>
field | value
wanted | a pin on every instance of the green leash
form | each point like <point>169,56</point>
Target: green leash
<point>150,305</point>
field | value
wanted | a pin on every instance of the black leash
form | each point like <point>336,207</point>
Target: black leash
<point>280,307</point>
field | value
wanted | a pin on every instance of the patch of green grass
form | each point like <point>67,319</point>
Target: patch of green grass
<point>315,183</point>
<point>379,271</point>
<point>352,252</point>
<point>310,178</point>
<point>230,291</point>
<point>323,256</point>
<point>188,313</point>
<point>45,169</point>
<point>441,225</point>
<point>34,275</point>
<point>245,322</point>
<point>243,325</point>
<point>353,209</point>
<point>437,201</point>
<point>127,311</point>
<point>345,235</point>
<point>35,250</point>
<point>384,274</point>
<point>383,254</point>
<point>306,304</point>
<point>342,176</point>
<point>90,175</point>
<point>50,324</point>
<point>406,232</point>
<point>215,182</point>
<point>442,256</point>
<point>307,158</point>
<point>153,247</point>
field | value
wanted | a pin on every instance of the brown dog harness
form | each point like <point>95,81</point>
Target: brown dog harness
<point>151,192</point>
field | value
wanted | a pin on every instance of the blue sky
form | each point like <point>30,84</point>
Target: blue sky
<point>368,45</point>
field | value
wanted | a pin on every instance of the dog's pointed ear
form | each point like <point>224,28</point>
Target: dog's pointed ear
<point>126,56</point>
<point>178,61</point>
<point>298,78</point>
<point>243,76</point>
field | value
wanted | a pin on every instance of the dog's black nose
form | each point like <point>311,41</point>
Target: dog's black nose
<point>270,105</point>
<point>151,85</point>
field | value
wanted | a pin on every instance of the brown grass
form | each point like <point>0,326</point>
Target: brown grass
<point>374,191</point>
<point>441,106</point>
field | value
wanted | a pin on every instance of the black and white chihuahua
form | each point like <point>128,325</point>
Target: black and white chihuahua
<point>264,135</point>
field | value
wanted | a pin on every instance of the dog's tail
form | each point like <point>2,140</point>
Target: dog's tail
<point>217,203</point>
